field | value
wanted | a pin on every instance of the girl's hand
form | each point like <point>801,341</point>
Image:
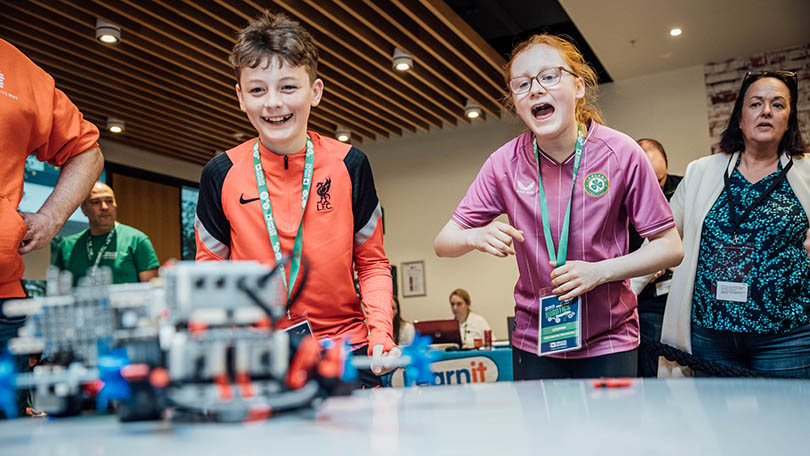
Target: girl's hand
<point>576,278</point>
<point>496,238</point>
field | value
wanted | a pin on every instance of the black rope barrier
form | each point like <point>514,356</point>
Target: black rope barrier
<point>652,347</point>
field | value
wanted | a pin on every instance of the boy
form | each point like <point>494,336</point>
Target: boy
<point>251,197</point>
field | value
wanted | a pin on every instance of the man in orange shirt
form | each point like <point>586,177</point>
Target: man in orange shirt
<point>36,117</point>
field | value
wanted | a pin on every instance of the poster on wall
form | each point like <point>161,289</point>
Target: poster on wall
<point>413,279</point>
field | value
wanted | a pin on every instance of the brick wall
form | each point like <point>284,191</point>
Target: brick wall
<point>723,80</point>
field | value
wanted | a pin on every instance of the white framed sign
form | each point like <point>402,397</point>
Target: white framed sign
<point>413,279</point>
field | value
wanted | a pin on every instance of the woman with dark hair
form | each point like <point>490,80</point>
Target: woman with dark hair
<point>741,297</point>
<point>403,330</point>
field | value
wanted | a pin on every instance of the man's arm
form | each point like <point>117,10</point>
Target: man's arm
<point>146,260</point>
<point>149,274</point>
<point>76,178</point>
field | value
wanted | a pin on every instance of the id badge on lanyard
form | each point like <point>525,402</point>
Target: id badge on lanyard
<point>732,265</point>
<point>662,288</point>
<point>560,325</point>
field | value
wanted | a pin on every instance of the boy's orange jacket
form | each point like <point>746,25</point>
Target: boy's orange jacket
<point>342,232</point>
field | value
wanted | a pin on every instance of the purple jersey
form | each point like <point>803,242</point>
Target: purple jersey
<point>615,184</point>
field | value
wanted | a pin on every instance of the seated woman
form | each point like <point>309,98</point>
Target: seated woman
<point>741,297</point>
<point>403,330</point>
<point>471,325</point>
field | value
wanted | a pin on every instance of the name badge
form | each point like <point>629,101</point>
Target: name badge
<point>662,288</point>
<point>732,291</point>
<point>733,265</point>
<point>109,255</point>
<point>560,326</point>
<point>298,332</point>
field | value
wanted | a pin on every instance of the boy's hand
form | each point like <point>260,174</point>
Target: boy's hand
<point>575,278</point>
<point>380,362</point>
<point>496,239</point>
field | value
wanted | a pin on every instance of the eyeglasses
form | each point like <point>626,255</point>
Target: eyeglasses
<point>547,78</point>
<point>782,75</point>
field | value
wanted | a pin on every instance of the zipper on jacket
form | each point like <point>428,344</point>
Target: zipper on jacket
<point>286,162</point>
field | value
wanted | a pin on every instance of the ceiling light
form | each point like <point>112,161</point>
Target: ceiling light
<point>115,125</point>
<point>402,62</point>
<point>675,32</point>
<point>107,33</point>
<point>343,134</point>
<point>472,110</point>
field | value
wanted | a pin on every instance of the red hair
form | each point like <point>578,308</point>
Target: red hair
<point>586,107</point>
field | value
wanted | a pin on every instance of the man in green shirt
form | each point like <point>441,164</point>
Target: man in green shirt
<point>125,250</point>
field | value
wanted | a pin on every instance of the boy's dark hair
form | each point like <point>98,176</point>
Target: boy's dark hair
<point>274,35</point>
<point>732,139</point>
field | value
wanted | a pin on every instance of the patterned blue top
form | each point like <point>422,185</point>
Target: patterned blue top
<point>773,261</point>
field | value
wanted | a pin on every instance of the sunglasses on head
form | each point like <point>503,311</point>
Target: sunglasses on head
<point>782,75</point>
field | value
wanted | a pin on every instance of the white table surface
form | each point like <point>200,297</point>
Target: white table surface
<point>562,417</point>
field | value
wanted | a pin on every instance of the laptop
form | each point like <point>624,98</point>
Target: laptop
<point>442,331</point>
<point>510,325</point>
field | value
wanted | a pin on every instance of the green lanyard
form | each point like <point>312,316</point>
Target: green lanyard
<point>559,257</point>
<point>272,232</point>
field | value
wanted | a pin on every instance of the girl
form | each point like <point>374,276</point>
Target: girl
<point>403,330</point>
<point>569,186</point>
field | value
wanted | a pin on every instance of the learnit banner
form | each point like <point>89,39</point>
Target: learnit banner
<point>474,369</point>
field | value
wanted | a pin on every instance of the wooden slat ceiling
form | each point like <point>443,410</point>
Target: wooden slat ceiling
<point>169,78</point>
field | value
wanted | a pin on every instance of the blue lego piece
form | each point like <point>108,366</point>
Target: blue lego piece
<point>418,370</point>
<point>109,371</point>
<point>8,389</point>
<point>349,371</point>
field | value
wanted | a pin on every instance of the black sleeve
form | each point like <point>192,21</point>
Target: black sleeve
<point>364,194</point>
<point>209,200</point>
<point>634,239</point>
